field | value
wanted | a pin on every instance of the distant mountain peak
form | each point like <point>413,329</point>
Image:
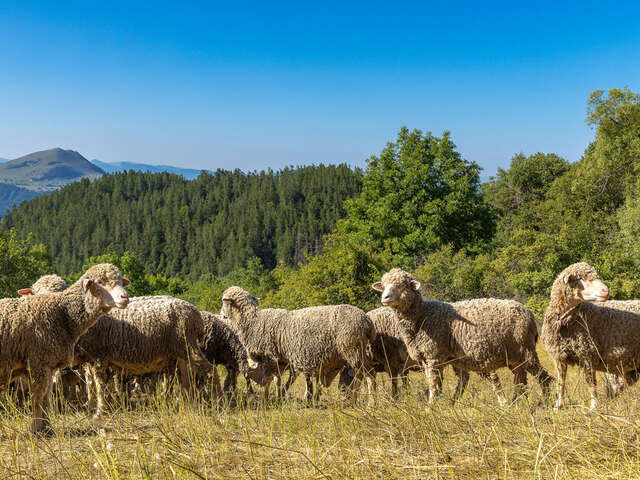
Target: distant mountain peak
<point>41,172</point>
<point>50,165</point>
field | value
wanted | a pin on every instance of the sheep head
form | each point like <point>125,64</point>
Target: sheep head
<point>104,284</point>
<point>236,302</point>
<point>579,283</point>
<point>399,289</point>
<point>45,284</point>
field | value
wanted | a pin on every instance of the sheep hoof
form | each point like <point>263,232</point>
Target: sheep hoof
<point>502,401</point>
<point>593,405</point>
<point>558,405</point>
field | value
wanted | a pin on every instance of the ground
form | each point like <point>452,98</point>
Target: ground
<point>170,437</point>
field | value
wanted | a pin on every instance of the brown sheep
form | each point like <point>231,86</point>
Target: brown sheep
<point>38,333</point>
<point>602,336</point>
<point>316,341</point>
<point>478,335</point>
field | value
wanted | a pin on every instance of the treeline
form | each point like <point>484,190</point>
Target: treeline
<point>421,207</point>
<point>212,224</point>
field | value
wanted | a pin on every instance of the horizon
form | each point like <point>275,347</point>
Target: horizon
<point>258,87</point>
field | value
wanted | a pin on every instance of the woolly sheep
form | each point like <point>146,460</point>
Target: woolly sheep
<point>390,355</point>
<point>38,333</point>
<point>45,284</point>
<point>221,345</point>
<point>478,335</point>
<point>604,336</point>
<point>316,341</point>
<point>151,334</point>
<point>388,352</point>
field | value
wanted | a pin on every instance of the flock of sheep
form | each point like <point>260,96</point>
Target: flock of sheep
<point>55,331</point>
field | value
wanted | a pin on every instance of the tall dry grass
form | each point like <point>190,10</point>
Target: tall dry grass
<point>172,437</point>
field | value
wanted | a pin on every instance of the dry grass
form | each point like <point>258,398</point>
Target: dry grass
<point>474,439</point>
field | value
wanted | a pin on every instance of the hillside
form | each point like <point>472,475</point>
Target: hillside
<point>188,173</point>
<point>180,227</point>
<point>41,172</point>
<point>48,168</point>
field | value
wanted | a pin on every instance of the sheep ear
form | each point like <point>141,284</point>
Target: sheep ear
<point>378,287</point>
<point>25,291</point>
<point>125,282</point>
<point>86,283</point>
<point>415,285</point>
<point>227,300</point>
<point>567,279</point>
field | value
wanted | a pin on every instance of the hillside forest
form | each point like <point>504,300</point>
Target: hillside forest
<point>322,234</point>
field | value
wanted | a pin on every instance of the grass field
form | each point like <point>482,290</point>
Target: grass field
<point>473,439</point>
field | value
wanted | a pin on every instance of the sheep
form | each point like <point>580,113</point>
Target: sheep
<point>316,341</point>
<point>388,352</point>
<point>38,333</point>
<point>67,379</point>
<point>267,367</point>
<point>152,333</point>
<point>603,336</point>
<point>478,335</point>
<point>45,284</point>
<point>221,345</point>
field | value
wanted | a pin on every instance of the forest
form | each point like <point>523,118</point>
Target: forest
<point>322,234</point>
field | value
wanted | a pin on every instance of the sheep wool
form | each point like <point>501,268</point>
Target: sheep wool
<point>152,333</point>
<point>602,336</point>
<point>478,335</point>
<point>221,345</point>
<point>38,333</point>
<point>316,341</point>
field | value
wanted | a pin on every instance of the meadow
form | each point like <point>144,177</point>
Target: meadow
<point>176,438</point>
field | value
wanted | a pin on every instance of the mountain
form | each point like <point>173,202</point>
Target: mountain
<point>188,173</point>
<point>41,172</point>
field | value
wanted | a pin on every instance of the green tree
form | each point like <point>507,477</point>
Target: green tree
<point>418,195</point>
<point>22,262</point>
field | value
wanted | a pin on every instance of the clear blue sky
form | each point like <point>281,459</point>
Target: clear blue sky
<point>263,84</point>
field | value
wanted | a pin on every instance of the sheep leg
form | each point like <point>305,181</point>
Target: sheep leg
<point>520,382</point>
<point>590,376</point>
<point>345,381</point>
<point>609,380</point>
<point>117,384</point>
<point>542,376</point>
<point>100,379</point>
<point>249,386</point>
<point>185,380</point>
<point>316,394</point>
<point>279,392</point>
<point>433,375</point>
<point>308,393</point>
<point>561,372</point>
<point>40,389</point>
<point>372,388</point>
<point>394,386</point>
<point>494,380</point>
<point>463,380</point>
<point>89,386</point>
<point>231,381</point>
<point>292,378</point>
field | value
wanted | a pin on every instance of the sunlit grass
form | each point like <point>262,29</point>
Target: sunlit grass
<point>172,437</point>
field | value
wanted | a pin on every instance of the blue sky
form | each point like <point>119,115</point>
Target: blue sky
<point>255,85</point>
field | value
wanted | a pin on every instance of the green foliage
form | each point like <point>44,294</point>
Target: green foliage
<point>213,224</point>
<point>420,208</point>
<point>343,273</point>
<point>418,195</point>
<point>22,262</point>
